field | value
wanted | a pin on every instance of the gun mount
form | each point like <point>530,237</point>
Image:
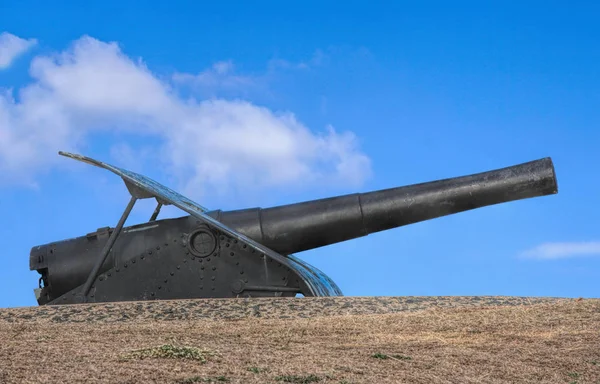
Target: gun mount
<point>249,252</point>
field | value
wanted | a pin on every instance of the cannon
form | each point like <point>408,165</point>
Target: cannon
<point>250,252</point>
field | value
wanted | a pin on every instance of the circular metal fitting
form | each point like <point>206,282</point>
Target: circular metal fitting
<point>237,286</point>
<point>202,242</point>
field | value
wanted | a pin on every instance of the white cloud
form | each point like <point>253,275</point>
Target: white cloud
<point>565,250</point>
<point>223,76</point>
<point>11,47</point>
<point>94,87</point>
<point>220,76</point>
<point>319,58</point>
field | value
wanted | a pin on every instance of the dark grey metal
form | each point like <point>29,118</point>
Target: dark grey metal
<point>156,211</point>
<point>242,287</point>
<point>193,257</point>
<point>303,226</point>
<point>315,282</point>
<point>107,248</point>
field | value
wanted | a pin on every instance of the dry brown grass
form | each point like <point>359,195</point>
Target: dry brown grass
<point>542,343</point>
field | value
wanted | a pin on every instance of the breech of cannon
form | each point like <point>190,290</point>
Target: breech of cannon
<point>298,227</point>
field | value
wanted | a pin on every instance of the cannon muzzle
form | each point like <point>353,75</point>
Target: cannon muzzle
<point>299,227</point>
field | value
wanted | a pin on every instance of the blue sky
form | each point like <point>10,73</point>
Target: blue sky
<point>241,106</point>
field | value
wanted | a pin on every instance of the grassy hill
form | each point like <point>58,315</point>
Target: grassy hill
<point>307,340</point>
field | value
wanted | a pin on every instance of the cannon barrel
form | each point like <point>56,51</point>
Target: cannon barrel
<point>299,227</point>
